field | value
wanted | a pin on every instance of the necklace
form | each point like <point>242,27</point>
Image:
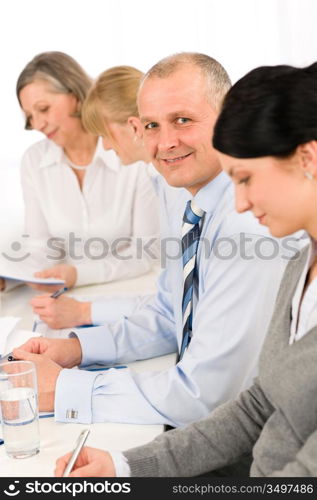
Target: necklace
<point>77,167</point>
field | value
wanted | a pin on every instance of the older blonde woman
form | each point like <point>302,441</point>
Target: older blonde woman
<point>84,210</point>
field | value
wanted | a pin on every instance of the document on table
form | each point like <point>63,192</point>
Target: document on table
<point>7,325</point>
<point>57,333</point>
<point>14,338</point>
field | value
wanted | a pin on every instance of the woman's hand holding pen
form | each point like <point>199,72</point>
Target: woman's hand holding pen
<point>64,312</point>
<point>61,271</point>
<point>90,463</point>
<point>65,352</point>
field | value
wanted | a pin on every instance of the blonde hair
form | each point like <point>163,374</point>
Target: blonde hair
<point>112,98</point>
<point>217,79</point>
<point>60,71</point>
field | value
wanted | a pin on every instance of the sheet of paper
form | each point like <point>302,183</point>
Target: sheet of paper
<point>29,278</point>
<point>18,337</point>
<point>21,271</point>
<point>44,330</point>
<point>7,325</point>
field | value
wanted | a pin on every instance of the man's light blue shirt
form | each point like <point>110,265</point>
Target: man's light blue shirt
<point>232,306</point>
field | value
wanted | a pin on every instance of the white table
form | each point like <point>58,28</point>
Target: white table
<point>58,438</point>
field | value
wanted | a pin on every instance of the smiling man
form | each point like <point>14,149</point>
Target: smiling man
<point>178,116</point>
<point>215,297</point>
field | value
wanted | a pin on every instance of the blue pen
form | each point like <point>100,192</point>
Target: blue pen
<point>1,442</point>
<point>53,296</point>
<point>58,292</point>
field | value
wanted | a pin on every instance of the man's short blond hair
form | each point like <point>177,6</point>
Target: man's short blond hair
<point>217,79</point>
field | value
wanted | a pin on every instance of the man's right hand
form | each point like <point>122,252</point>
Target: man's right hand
<point>91,462</point>
<point>65,352</point>
<point>63,312</point>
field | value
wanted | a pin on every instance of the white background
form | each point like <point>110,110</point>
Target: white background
<point>241,34</point>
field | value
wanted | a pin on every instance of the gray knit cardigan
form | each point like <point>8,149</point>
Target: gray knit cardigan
<point>276,419</point>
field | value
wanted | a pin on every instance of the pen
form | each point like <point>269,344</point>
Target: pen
<point>54,295</point>
<point>1,442</point>
<point>34,325</point>
<point>58,292</point>
<point>7,357</point>
<point>79,444</point>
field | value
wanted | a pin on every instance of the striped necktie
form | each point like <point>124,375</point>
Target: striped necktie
<point>190,239</point>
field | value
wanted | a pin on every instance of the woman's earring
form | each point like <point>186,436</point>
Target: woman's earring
<point>309,175</point>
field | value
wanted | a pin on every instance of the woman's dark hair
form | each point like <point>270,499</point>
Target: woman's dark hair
<point>268,112</point>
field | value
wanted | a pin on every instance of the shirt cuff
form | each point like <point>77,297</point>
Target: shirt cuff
<point>73,396</point>
<point>120,463</point>
<point>97,345</point>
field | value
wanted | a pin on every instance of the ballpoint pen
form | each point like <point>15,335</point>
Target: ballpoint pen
<point>7,357</point>
<point>58,292</point>
<point>54,295</point>
<point>79,444</point>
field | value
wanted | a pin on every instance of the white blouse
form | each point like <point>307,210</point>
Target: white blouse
<point>304,307</point>
<point>102,228</point>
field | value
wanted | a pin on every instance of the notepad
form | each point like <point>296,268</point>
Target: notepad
<point>28,278</point>
<point>21,271</point>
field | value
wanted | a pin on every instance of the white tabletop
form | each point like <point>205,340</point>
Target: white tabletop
<point>59,438</point>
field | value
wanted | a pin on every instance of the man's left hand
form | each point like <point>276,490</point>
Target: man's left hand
<point>47,374</point>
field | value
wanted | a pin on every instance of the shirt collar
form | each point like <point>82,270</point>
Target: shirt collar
<point>312,252</point>
<point>55,155</point>
<point>208,197</point>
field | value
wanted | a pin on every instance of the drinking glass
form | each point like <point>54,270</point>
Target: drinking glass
<point>19,408</point>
